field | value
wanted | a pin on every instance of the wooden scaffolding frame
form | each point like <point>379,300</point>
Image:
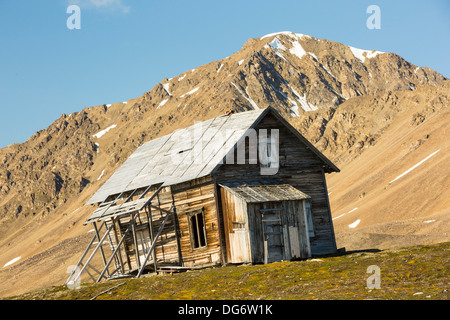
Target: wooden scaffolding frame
<point>109,213</point>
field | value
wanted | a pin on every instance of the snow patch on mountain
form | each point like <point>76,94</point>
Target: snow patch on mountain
<point>297,49</point>
<point>328,71</point>
<point>415,166</point>
<point>249,99</point>
<point>101,133</point>
<point>276,44</point>
<point>314,56</point>
<point>101,175</point>
<point>306,106</point>
<point>363,54</point>
<point>162,103</point>
<point>166,87</point>
<point>190,92</point>
<point>12,261</point>
<point>287,33</point>
<point>354,224</point>
<point>354,209</point>
<point>293,108</point>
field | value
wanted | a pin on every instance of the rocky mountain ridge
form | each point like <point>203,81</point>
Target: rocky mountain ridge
<point>294,73</point>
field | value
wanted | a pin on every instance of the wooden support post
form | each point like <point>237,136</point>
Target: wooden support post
<point>136,250</point>
<point>93,253</point>
<point>101,248</point>
<point>177,231</point>
<point>114,253</point>
<point>151,235</point>
<point>118,245</point>
<point>154,242</point>
<point>80,262</point>
<point>89,274</point>
<point>219,222</point>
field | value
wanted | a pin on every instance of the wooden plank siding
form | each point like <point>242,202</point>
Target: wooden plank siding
<point>166,247</point>
<point>174,246</point>
<point>188,197</point>
<point>236,228</point>
<point>302,169</point>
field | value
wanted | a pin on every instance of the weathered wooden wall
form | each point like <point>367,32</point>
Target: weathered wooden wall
<point>301,168</point>
<point>166,247</point>
<point>174,246</point>
<point>189,196</point>
<point>236,228</point>
<point>292,229</point>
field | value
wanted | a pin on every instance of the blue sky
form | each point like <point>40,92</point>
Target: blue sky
<point>125,47</point>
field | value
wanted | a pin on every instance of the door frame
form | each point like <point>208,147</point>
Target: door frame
<point>281,212</point>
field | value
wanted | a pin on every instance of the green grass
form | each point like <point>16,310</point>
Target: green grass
<point>408,273</point>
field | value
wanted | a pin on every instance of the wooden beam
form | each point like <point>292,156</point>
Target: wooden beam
<point>177,229</point>
<point>101,248</point>
<point>93,253</point>
<point>113,254</point>
<point>153,244</point>
<point>160,209</point>
<point>118,246</point>
<point>136,250</point>
<point>150,221</point>
<point>80,262</point>
<point>219,224</point>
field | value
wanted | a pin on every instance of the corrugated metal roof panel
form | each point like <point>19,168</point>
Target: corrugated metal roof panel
<point>183,155</point>
<point>189,153</point>
<point>264,191</point>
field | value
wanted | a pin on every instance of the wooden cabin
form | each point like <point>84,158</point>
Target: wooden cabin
<point>238,188</point>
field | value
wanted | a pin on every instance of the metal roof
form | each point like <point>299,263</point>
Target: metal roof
<point>263,191</point>
<point>180,156</point>
<point>189,153</point>
<point>106,212</point>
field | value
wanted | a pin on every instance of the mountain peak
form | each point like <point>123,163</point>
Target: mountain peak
<point>287,33</point>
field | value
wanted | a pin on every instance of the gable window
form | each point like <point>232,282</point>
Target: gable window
<point>269,151</point>
<point>197,229</point>
<point>266,153</point>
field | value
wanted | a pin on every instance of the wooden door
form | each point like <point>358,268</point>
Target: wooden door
<point>143,242</point>
<point>272,228</point>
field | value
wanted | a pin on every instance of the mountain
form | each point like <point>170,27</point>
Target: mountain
<point>374,114</point>
<point>392,149</point>
<point>294,73</point>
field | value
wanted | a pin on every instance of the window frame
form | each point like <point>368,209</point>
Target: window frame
<point>196,235</point>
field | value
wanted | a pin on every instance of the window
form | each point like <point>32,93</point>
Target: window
<point>197,228</point>
<point>266,152</point>
<point>309,218</point>
<point>269,151</point>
